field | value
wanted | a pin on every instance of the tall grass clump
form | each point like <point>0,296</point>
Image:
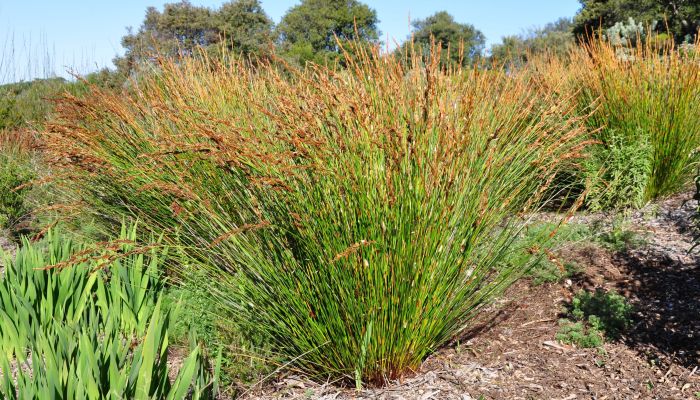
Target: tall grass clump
<point>354,220</point>
<point>647,102</point>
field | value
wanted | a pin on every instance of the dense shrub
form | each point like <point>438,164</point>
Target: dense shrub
<point>24,108</point>
<point>584,334</point>
<point>619,172</point>
<point>354,220</point>
<point>77,322</point>
<point>16,171</point>
<point>594,316</point>
<point>609,308</point>
<point>26,103</point>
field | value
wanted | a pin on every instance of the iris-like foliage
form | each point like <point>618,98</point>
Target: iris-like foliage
<point>356,220</point>
<point>74,324</point>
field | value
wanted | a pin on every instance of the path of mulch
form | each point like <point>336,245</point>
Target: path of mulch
<point>516,356</point>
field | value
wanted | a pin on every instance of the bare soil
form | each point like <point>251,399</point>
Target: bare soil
<point>512,352</point>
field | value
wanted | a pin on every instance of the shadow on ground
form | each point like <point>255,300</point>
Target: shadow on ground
<point>666,296</point>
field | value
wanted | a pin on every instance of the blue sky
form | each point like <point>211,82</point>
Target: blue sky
<point>38,37</point>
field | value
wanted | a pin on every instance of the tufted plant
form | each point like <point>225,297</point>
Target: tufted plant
<point>355,219</point>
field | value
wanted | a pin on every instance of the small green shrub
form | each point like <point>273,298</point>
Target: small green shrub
<point>15,171</point>
<point>619,172</point>
<point>245,357</point>
<point>27,103</point>
<point>90,326</point>
<point>592,317</point>
<point>199,310</point>
<point>611,310</point>
<point>550,272</point>
<point>618,237</point>
<point>580,334</point>
<point>548,266</point>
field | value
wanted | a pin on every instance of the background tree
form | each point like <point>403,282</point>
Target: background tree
<point>245,26</point>
<point>308,31</point>
<point>450,34</point>
<point>241,25</point>
<point>679,18</point>
<point>555,38</point>
<point>179,29</point>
